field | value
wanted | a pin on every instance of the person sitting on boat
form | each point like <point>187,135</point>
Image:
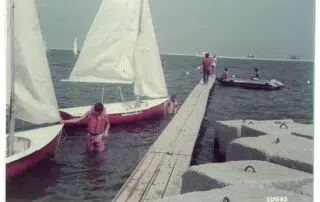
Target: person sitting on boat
<point>206,66</point>
<point>172,106</point>
<point>256,75</point>
<point>225,74</point>
<point>97,127</point>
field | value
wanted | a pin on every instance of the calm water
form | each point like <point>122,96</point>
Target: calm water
<point>74,175</point>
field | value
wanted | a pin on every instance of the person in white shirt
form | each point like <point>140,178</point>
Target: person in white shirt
<point>214,64</point>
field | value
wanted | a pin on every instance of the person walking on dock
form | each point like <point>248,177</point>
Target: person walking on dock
<point>206,66</point>
<point>98,126</point>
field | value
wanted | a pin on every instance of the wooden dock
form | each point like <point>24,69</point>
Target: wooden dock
<point>159,173</point>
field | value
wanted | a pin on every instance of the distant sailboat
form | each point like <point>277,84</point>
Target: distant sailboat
<point>30,92</point>
<point>75,47</point>
<point>121,47</point>
<point>294,57</point>
<point>45,46</point>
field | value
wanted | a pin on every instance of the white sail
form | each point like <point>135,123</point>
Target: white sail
<point>107,53</point>
<point>149,77</point>
<point>8,63</point>
<point>35,99</point>
<point>75,46</point>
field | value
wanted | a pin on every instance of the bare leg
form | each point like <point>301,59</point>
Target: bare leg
<point>100,145</point>
<point>89,144</point>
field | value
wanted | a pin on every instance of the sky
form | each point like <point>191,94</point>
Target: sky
<point>264,28</point>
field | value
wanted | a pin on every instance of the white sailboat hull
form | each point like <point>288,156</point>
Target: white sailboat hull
<point>121,112</point>
<point>30,148</point>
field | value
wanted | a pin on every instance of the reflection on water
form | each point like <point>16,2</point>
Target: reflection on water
<point>75,175</point>
<point>43,176</point>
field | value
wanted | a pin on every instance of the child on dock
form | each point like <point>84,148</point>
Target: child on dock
<point>97,127</point>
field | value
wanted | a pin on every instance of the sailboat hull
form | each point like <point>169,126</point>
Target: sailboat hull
<point>38,150</point>
<point>118,114</point>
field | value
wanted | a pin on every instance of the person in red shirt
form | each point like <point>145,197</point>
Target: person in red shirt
<point>97,127</point>
<point>206,66</point>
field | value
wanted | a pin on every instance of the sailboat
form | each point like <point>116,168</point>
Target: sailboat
<point>75,47</point>
<point>121,48</point>
<point>30,92</point>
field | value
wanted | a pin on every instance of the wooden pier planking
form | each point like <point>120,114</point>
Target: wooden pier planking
<point>159,173</point>
<point>175,183</point>
<point>139,180</point>
<point>159,183</point>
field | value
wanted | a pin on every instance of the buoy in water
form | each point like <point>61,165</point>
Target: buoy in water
<point>308,82</point>
<point>199,67</point>
<point>233,76</point>
<point>187,73</point>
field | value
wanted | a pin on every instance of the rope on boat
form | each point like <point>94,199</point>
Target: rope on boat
<point>62,131</point>
<point>253,170</point>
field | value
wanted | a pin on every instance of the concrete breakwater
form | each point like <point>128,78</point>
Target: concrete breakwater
<point>264,159</point>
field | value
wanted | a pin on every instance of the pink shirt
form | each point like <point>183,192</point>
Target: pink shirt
<point>97,124</point>
<point>206,63</point>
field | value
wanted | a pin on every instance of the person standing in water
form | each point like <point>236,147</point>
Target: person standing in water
<point>97,127</point>
<point>206,66</point>
<point>172,106</point>
<point>163,63</point>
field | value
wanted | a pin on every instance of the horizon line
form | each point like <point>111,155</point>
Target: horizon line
<point>224,57</point>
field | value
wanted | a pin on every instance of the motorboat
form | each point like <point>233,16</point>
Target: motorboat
<point>257,84</point>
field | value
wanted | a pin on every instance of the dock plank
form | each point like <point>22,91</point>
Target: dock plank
<point>175,183</point>
<point>135,186</point>
<point>186,140</point>
<point>159,183</point>
<point>159,174</point>
<point>197,100</point>
<point>169,135</point>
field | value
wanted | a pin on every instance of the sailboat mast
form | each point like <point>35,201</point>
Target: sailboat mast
<point>12,108</point>
<point>140,17</point>
<point>139,32</point>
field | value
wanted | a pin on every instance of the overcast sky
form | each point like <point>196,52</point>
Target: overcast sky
<point>266,28</point>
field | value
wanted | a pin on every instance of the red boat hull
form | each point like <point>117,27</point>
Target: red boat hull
<point>122,118</point>
<point>19,166</point>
